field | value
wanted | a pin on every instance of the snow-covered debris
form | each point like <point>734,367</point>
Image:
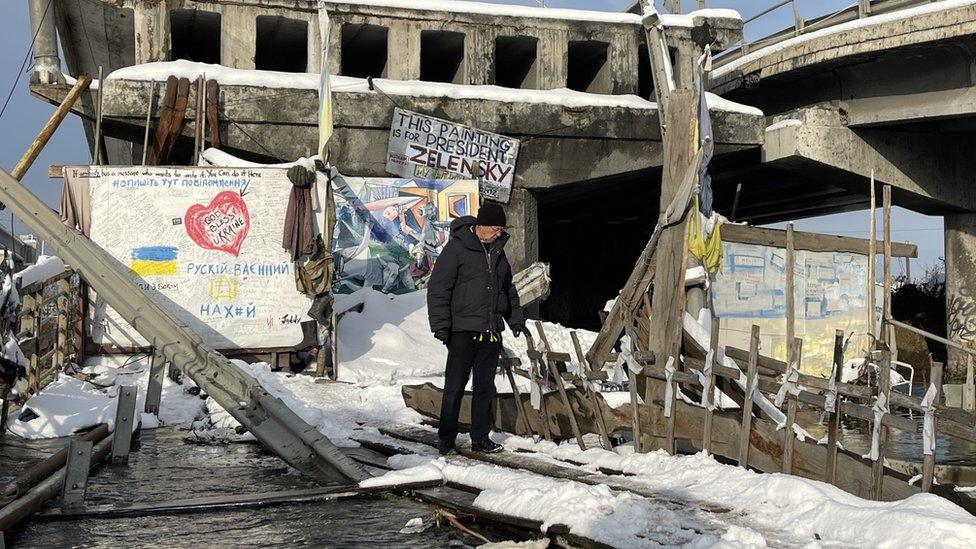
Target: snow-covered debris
<point>217,157</point>
<point>68,404</point>
<point>802,507</point>
<point>784,124</point>
<point>47,266</point>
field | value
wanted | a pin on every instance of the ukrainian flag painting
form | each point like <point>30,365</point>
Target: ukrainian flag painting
<point>153,261</point>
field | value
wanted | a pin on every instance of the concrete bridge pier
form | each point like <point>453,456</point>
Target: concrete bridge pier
<point>522,211</point>
<point>960,266</point>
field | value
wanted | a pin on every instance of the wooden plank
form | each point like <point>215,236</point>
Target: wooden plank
<point>667,303</point>
<point>591,395</point>
<point>884,371</point>
<point>833,418</point>
<point>872,263</point>
<point>747,406</point>
<point>709,395</point>
<point>561,388</point>
<point>543,414</point>
<point>813,242</point>
<point>634,405</point>
<point>171,122</point>
<point>928,460</point>
<point>37,145</point>
<point>213,119</point>
<point>795,348</point>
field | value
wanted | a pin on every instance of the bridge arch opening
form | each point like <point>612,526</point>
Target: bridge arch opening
<point>195,35</point>
<point>365,49</point>
<point>281,44</point>
<point>591,233</point>
<point>587,68</point>
<point>442,56</point>
<point>516,62</point>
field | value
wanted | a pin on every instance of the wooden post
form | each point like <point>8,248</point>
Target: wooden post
<point>544,412</point>
<point>872,262</point>
<point>884,370</point>
<point>667,303</point>
<point>61,344</point>
<point>795,348</point>
<point>554,372</point>
<point>790,292</point>
<point>591,395</point>
<point>149,109</point>
<point>97,153</point>
<point>709,395</point>
<point>632,386</point>
<point>519,405</point>
<point>928,463</point>
<point>213,119</point>
<point>52,124</point>
<point>746,431</point>
<point>833,416</point>
<point>198,118</point>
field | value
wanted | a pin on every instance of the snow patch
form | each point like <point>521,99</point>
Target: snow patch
<point>47,266</point>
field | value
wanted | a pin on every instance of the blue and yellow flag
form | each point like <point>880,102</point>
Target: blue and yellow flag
<point>153,261</point>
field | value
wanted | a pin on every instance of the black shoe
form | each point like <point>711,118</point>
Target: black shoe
<point>485,446</point>
<point>445,447</point>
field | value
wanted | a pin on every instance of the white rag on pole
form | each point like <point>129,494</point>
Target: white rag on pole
<point>790,383</point>
<point>830,399</point>
<point>928,425</point>
<point>880,409</point>
<point>668,387</point>
<point>708,396</point>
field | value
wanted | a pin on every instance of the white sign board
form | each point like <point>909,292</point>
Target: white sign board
<point>205,243</point>
<point>424,147</point>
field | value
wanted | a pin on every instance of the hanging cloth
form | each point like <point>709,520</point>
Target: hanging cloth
<point>708,251</point>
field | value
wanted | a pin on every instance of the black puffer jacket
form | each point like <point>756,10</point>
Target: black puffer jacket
<point>471,287</point>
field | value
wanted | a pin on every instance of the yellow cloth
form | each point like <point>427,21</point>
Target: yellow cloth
<point>707,251</point>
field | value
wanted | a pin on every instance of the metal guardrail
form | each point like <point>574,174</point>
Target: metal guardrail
<point>857,10</point>
<point>265,416</point>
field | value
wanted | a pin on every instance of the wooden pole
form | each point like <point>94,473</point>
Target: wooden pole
<point>591,395</point>
<point>789,437</point>
<point>52,124</point>
<point>544,412</point>
<point>519,405</point>
<point>735,203</point>
<point>833,417</point>
<point>884,370</point>
<point>790,292</point>
<point>98,119</point>
<point>709,395</point>
<point>667,303</point>
<point>746,431</point>
<point>554,372</point>
<point>632,385</point>
<point>928,463</point>
<point>872,261</point>
<point>149,109</point>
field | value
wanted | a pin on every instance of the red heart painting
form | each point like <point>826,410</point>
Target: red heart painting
<point>222,225</point>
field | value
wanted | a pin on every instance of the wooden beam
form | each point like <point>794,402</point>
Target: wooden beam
<point>813,242</point>
<point>49,128</point>
<point>833,418</point>
<point>747,404</point>
<point>709,395</point>
<point>928,460</point>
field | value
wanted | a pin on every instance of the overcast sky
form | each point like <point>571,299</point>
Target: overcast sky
<point>25,115</point>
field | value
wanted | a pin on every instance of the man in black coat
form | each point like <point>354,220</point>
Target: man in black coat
<point>469,293</point>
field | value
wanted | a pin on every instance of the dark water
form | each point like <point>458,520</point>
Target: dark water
<point>166,468</point>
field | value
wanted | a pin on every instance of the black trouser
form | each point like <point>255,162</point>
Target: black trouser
<point>465,353</point>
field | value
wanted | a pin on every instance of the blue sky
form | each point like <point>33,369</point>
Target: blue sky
<point>25,115</point>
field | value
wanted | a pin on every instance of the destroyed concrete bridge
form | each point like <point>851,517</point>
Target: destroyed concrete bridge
<point>818,107</point>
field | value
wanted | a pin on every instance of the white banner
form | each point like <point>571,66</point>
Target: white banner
<point>205,243</point>
<point>424,147</point>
